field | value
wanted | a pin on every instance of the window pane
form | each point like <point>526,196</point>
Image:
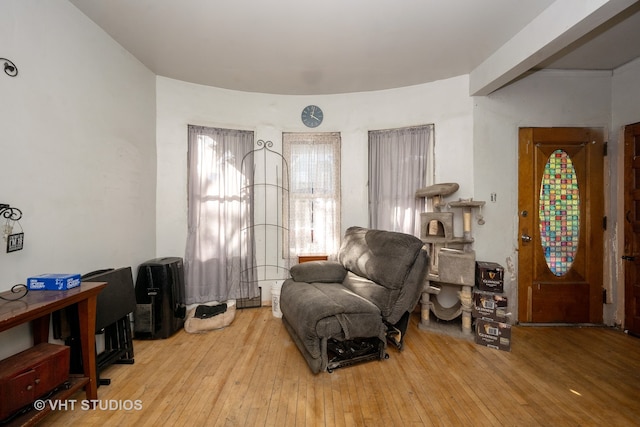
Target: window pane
<point>398,165</point>
<point>314,212</point>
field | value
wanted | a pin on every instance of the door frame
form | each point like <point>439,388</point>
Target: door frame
<point>629,245</point>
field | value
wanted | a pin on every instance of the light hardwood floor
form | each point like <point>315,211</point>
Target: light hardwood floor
<point>251,374</point>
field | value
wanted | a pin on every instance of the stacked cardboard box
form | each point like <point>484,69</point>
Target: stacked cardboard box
<point>490,307</point>
<point>489,276</point>
<point>490,310</point>
<point>493,334</point>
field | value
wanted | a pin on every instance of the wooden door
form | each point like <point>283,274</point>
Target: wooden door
<point>632,228</point>
<point>561,221</point>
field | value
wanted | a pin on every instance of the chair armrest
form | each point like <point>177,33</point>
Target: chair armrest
<point>318,271</point>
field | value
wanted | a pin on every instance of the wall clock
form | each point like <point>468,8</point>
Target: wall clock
<point>312,116</point>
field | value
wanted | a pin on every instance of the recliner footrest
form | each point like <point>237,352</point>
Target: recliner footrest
<point>350,352</point>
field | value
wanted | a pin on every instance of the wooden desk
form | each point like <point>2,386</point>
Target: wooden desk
<point>36,308</point>
<point>312,257</point>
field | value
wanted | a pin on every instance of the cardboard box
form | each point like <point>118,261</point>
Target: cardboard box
<point>494,335</point>
<point>490,306</point>
<point>53,282</point>
<point>489,276</point>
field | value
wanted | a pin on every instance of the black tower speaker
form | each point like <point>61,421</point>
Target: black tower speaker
<point>160,309</point>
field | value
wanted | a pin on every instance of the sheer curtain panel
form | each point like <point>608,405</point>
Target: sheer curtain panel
<point>217,253</point>
<point>398,166</point>
<point>314,193</point>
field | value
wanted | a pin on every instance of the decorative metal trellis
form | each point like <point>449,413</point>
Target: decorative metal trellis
<point>267,190</point>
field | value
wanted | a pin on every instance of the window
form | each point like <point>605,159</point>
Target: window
<point>216,254</point>
<point>399,164</point>
<point>314,192</point>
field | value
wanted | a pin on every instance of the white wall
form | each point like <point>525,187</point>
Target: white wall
<point>543,99</point>
<point>77,147</point>
<point>445,103</point>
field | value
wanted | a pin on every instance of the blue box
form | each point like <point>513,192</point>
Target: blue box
<point>53,282</point>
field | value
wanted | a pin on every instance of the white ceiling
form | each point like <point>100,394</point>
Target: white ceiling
<point>301,47</point>
<point>607,47</point>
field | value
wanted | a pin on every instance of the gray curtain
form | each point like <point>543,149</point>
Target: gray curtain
<point>397,168</point>
<point>219,253</point>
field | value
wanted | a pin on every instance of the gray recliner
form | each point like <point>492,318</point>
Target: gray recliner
<point>343,312</point>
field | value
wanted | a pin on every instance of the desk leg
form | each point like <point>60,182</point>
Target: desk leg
<point>87,317</point>
<point>40,329</point>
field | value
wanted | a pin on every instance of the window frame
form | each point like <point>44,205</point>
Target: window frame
<point>289,140</point>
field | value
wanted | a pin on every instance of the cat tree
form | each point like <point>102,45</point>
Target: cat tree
<point>452,269</point>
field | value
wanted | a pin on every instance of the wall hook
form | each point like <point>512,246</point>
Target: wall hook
<point>10,68</point>
<point>9,212</point>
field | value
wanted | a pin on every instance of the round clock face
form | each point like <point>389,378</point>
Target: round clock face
<point>312,116</point>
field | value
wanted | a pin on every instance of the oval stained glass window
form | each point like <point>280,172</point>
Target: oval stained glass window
<point>559,212</point>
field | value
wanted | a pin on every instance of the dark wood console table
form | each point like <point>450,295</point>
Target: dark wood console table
<point>37,306</point>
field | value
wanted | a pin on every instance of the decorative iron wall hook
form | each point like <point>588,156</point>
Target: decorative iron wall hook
<point>8,212</point>
<point>10,68</point>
